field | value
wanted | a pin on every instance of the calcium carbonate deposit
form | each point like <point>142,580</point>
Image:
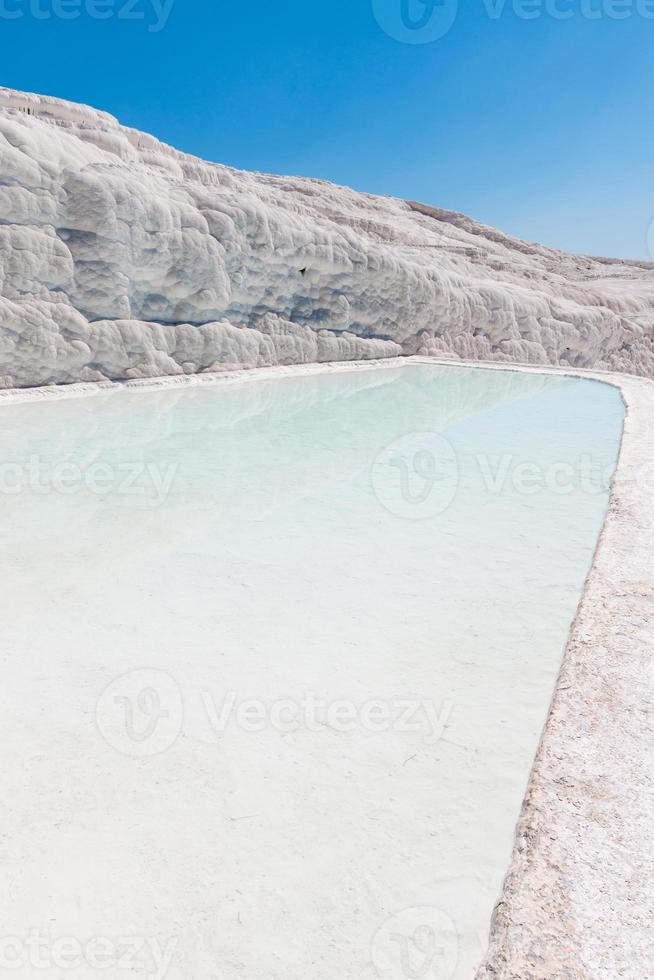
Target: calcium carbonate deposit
<point>121,257</point>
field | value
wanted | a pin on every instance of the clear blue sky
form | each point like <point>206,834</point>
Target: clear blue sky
<point>543,127</point>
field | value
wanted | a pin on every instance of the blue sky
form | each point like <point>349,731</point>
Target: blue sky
<point>536,116</point>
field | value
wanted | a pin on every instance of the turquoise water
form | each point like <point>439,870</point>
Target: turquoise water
<point>376,570</point>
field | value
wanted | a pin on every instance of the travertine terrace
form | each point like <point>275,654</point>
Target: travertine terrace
<point>121,258</point>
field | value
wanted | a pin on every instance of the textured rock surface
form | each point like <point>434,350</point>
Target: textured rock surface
<point>123,258</point>
<point>578,898</point>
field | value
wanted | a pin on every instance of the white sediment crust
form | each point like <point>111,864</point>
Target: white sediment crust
<point>122,258</point>
<point>577,900</point>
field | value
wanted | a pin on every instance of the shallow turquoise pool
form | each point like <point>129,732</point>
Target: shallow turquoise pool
<point>278,656</point>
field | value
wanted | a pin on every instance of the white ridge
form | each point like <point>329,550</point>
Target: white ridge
<point>123,258</point>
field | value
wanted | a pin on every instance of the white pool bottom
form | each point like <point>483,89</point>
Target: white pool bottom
<point>273,571</point>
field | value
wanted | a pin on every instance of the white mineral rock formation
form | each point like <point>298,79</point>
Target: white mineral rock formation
<point>121,257</point>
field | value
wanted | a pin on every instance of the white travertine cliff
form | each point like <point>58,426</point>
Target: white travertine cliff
<point>121,257</point>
